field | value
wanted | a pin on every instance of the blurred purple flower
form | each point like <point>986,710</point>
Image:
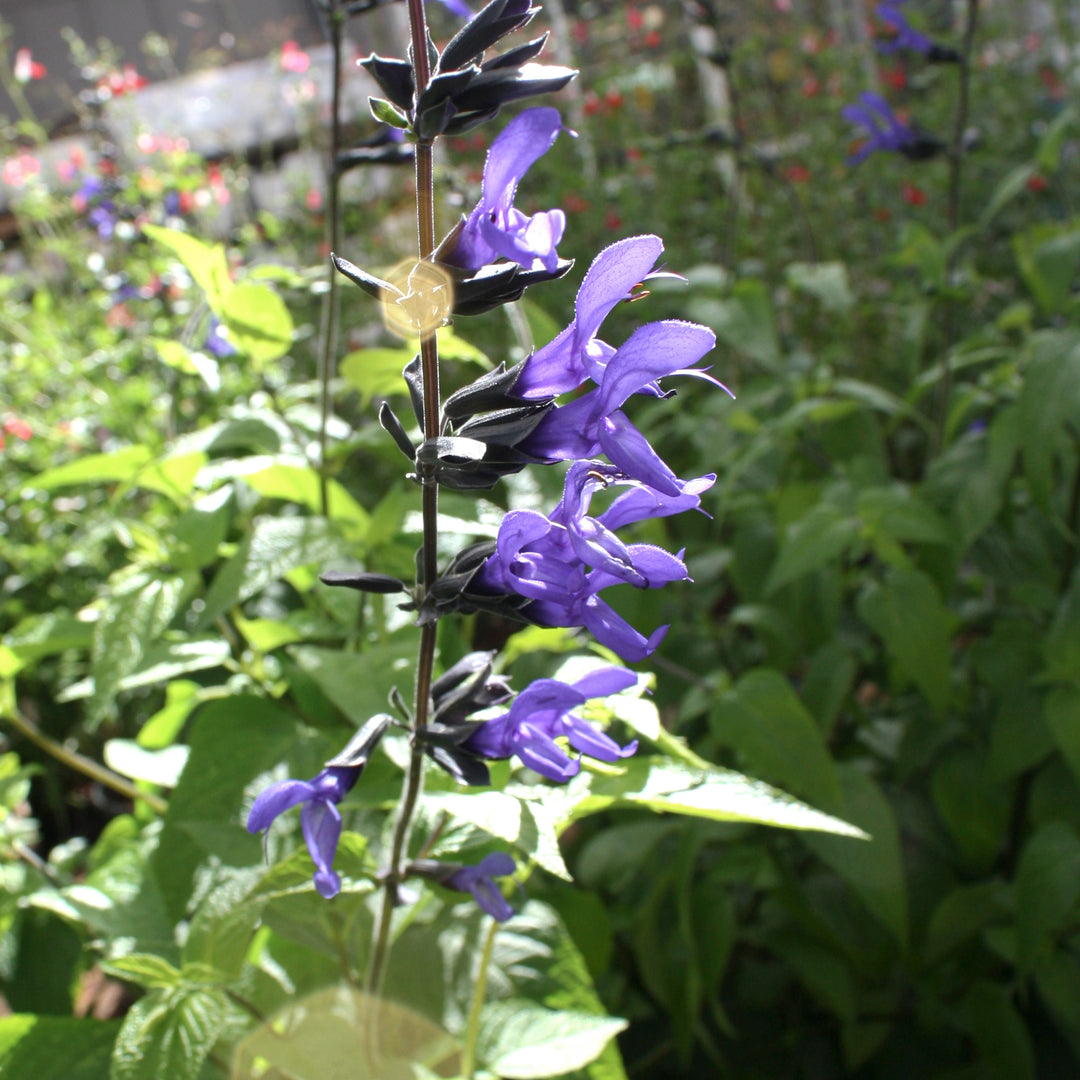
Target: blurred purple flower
<point>903,36</point>
<point>541,713</point>
<point>561,563</point>
<point>886,132</point>
<point>478,881</point>
<point>320,818</point>
<point>458,8</point>
<point>216,342</point>
<point>103,218</point>
<point>496,227</point>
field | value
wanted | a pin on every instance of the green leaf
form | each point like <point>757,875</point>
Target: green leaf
<point>233,741</point>
<point>820,537</point>
<point>1061,646</point>
<point>176,355</point>
<point>162,767</point>
<point>300,484</point>
<point>963,915</point>
<point>708,792</point>
<point>745,321</point>
<point>908,615</point>
<point>55,1048</point>
<point>376,372</point>
<point>827,282</point>
<point>201,529</point>
<point>1008,188</point>
<point>974,808</point>
<point>521,1041</point>
<point>527,825</point>
<point>206,263</point>
<point>138,612</point>
<point>1047,890</point>
<point>143,969</point>
<point>762,719</point>
<point>359,683</point>
<point>922,250</point>
<point>1048,155</point>
<point>259,322</point>
<point>1048,255</point>
<point>999,1033</point>
<point>1060,711</point>
<point>118,465</point>
<point>168,1034</point>
<point>1049,400</point>
<point>275,546</point>
<point>874,870</point>
<point>1057,978</point>
<point>899,514</point>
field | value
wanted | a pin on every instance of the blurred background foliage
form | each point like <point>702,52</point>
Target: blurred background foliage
<point>885,616</point>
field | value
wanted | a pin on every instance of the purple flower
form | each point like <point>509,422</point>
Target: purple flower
<point>496,227</point>
<point>216,342</point>
<point>320,818</point>
<point>542,713</point>
<point>103,218</point>
<point>903,36</point>
<point>458,8</point>
<point>561,563</point>
<point>885,130</point>
<point>478,881</point>
<point>577,354</point>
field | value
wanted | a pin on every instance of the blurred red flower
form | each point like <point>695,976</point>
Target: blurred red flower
<point>27,68</point>
<point>293,58</point>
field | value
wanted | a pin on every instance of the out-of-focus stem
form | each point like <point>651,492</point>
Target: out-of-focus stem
<point>425,661</point>
<point>329,327</point>
<point>472,1029</point>
<point>88,767</point>
<point>956,164</point>
<point>956,150</point>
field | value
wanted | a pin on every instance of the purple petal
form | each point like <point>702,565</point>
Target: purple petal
<point>642,503</point>
<point>490,899</point>
<point>594,743</point>
<point>612,630</point>
<point>553,369</point>
<point>605,681</point>
<point>567,433</point>
<point>539,752</point>
<point>597,547</point>
<point>611,277</point>
<point>651,352</point>
<point>458,8</point>
<point>495,740</point>
<point>321,824</point>
<point>518,146</point>
<point>497,864</point>
<point>627,448</point>
<point>275,800</point>
<point>546,695</point>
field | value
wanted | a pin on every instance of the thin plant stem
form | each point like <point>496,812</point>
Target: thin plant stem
<point>329,321</point>
<point>956,165</point>
<point>472,1029</point>
<point>87,766</point>
<point>425,661</point>
<point>956,149</point>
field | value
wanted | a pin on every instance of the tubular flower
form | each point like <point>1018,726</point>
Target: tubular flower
<point>577,354</point>
<point>903,36</point>
<point>595,423</point>
<point>542,713</point>
<point>478,881</point>
<point>320,818</point>
<point>496,227</point>
<point>560,563</point>
<point>887,132</point>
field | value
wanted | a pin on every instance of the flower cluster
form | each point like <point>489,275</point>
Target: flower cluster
<point>886,131</point>
<point>548,569</point>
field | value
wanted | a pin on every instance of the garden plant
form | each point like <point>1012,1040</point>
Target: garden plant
<point>679,678</point>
